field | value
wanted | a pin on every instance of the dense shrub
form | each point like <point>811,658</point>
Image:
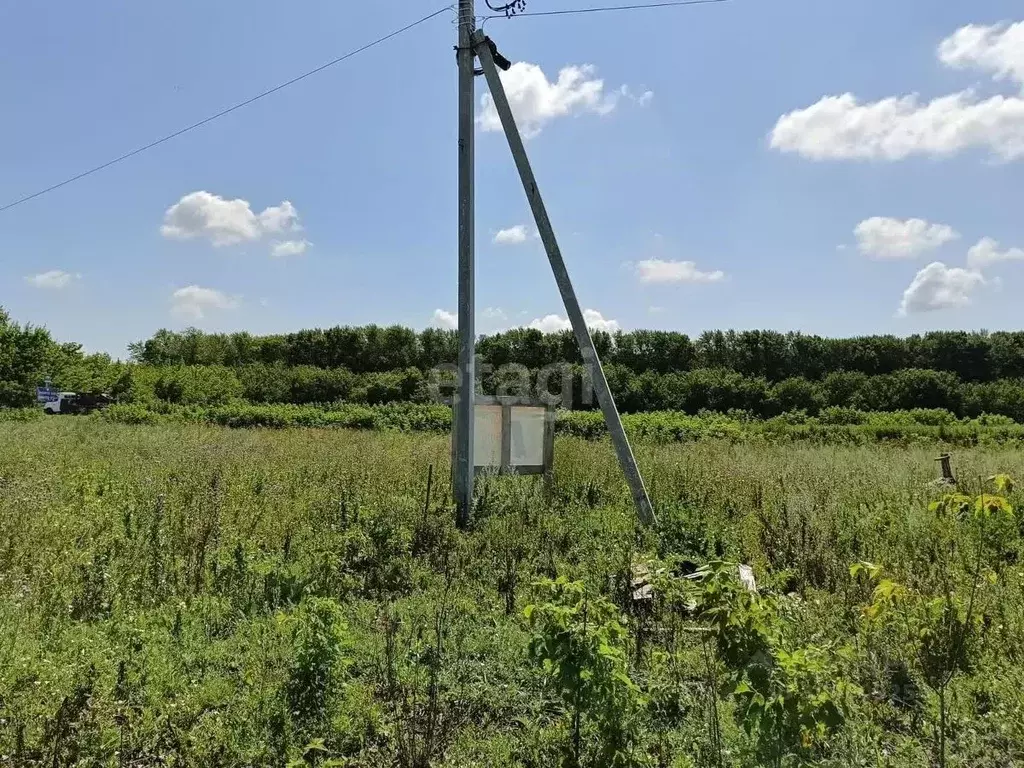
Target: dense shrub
<point>20,414</point>
<point>197,385</point>
<point>763,373</point>
<point>838,415</point>
<point>703,389</point>
<point>795,394</point>
<point>833,426</point>
<point>132,413</point>
<point>969,356</point>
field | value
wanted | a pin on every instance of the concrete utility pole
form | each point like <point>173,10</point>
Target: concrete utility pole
<point>466,397</point>
<point>627,461</point>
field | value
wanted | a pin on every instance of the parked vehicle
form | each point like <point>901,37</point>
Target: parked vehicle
<point>76,403</point>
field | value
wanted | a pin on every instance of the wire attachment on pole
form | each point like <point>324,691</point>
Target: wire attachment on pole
<point>502,63</point>
<point>509,9</point>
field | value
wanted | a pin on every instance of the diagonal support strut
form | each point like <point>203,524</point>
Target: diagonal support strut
<point>645,512</point>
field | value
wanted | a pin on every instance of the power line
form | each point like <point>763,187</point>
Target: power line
<point>602,9</point>
<point>229,110</point>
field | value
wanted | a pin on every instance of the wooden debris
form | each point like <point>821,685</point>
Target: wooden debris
<point>947,470</point>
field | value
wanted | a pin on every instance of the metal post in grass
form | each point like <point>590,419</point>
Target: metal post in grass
<point>463,416</point>
<point>486,52</point>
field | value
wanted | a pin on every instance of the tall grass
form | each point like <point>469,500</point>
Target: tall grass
<point>189,594</point>
<point>841,426</point>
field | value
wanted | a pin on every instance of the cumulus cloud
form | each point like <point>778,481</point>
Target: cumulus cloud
<point>887,238</point>
<point>494,313</point>
<point>841,128</point>
<point>55,279</point>
<point>512,235</point>
<point>550,324</point>
<point>536,101</point>
<point>223,221</point>
<point>660,271</point>
<point>844,128</point>
<point>280,218</point>
<point>940,287</point>
<point>447,320</point>
<point>987,251</point>
<point>202,214</point>
<point>193,302</point>
<point>997,49</point>
<point>284,248</point>
<point>594,320</point>
<point>555,323</point>
<point>643,98</point>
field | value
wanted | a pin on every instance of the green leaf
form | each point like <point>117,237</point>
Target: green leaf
<point>990,505</point>
<point>316,745</point>
<point>1003,483</point>
<point>887,590</point>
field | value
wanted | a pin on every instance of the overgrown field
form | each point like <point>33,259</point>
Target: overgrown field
<point>183,594</point>
<point>833,426</point>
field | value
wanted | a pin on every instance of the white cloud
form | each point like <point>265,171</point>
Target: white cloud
<point>285,248</point>
<point>555,323</point>
<point>655,310</point>
<point>986,251</point>
<point>225,222</point>
<point>642,99</point>
<point>659,271</point>
<point>940,287</point>
<point>55,279</point>
<point>594,320</point>
<point>841,128</point>
<point>194,302</point>
<point>494,313</point>
<point>280,218</point>
<point>197,214</point>
<point>512,235</point>
<point>998,49</point>
<point>535,100</point>
<point>550,324</point>
<point>887,238</point>
<point>447,320</point>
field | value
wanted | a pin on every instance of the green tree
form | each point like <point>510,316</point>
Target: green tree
<point>25,356</point>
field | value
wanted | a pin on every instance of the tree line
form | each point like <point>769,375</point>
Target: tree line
<point>775,356</point>
<point>702,389</point>
<point>761,373</point>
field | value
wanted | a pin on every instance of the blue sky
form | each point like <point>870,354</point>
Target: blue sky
<point>699,176</point>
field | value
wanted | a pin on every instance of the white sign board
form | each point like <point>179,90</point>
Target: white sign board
<point>528,425</point>
<point>487,435</point>
<point>512,436</point>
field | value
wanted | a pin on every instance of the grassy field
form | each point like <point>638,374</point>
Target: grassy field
<point>833,426</point>
<point>188,595</point>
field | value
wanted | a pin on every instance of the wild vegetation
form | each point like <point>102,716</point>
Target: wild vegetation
<point>192,595</point>
<point>762,373</point>
<point>832,426</point>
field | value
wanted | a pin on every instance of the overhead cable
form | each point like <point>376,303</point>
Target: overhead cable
<point>227,111</point>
